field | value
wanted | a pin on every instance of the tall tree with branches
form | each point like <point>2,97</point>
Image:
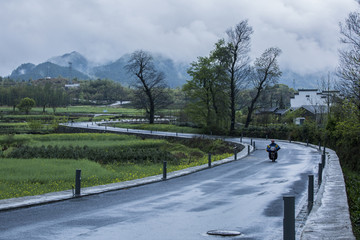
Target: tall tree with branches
<point>349,69</point>
<point>207,94</point>
<point>266,72</point>
<point>239,46</point>
<point>149,83</point>
<point>197,90</point>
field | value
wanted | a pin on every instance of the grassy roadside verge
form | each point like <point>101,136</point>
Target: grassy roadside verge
<point>352,181</point>
<point>24,177</point>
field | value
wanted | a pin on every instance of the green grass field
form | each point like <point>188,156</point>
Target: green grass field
<point>25,177</point>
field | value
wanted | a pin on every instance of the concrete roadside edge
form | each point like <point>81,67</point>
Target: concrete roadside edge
<point>330,217</point>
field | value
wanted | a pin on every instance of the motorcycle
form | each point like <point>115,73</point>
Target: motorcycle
<point>272,154</point>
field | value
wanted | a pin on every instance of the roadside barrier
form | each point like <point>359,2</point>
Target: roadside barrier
<point>289,218</point>
<point>164,170</point>
<point>289,232</point>
<point>77,183</point>
<point>310,193</point>
<point>320,170</point>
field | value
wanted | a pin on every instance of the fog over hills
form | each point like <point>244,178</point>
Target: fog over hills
<point>78,61</point>
<point>74,65</point>
<point>29,71</point>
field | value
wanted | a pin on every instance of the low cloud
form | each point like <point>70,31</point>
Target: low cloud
<point>307,31</point>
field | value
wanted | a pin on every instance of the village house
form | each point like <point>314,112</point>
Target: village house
<point>312,97</point>
<point>313,102</point>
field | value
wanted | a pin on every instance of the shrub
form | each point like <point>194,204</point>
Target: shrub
<point>26,104</point>
<point>101,155</point>
<point>206,145</point>
<point>309,131</point>
<point>10,141</point>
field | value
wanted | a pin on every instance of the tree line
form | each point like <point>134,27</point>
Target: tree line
<point>53,93</point>
<point>343,127</point>
<point>17,94</point>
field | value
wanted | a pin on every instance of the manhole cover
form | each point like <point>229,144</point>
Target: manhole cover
<point>224,233</point>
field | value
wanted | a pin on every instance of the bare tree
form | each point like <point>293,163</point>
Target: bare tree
<point>325,85</point>
<point>239,47</point>
<point>349,69</point>
<point>266,72</point>
<point>149,83</point>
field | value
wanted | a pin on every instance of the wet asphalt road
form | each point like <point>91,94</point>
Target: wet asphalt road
<point>245,196</point>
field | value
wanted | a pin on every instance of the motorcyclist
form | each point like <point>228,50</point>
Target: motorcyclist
<point>273,147</point>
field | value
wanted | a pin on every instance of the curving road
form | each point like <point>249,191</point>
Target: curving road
<point>244,195</point>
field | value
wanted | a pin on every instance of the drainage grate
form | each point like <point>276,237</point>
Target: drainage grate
<point>224,233</point>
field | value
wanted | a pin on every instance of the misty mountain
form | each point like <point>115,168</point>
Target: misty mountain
<point>81,68</point>
<point>44,70</point>
<point>75,59</point>
<point>175,73</point>
<point>114,71</point>
<point>23,69</point>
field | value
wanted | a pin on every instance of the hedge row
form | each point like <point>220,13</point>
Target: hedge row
<point>101,155</point>
<point>307,132</point>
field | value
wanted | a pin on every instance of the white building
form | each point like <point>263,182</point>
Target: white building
<point>75,85</point>
<point>313,97</point>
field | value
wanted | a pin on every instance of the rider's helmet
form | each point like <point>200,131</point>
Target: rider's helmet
<point>272,140</point>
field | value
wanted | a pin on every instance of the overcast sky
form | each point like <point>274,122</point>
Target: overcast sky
<point>307,31</point>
